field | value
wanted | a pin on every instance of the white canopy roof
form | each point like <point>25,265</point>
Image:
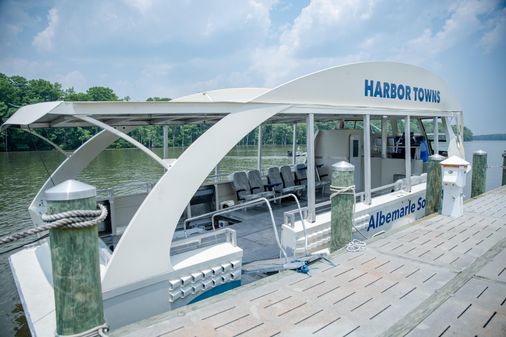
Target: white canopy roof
<point>381,88</point>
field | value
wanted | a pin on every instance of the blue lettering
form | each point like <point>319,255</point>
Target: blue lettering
<point>386,89</point>
<point>427,95</point>
<point>395,214</point>
<point>415,92</point>
<point>369,88</point>
<point>413,207</point>
<point>371,223</point>
<point>420,94</point>
<point>381,219</point>
<point>387,218</point>
<point>421,203</point>
<point>400,91</point>
<point>377,91</point>
<point>408,92</point>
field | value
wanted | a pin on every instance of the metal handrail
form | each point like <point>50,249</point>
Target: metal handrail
<point>359,196</point>
<point>251,203</point>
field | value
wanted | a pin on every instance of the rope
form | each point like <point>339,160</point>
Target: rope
<point>93,332</point>
<point>355,246</point>
<point>66,220</point>
<point>342,190</point>
<point>347,190</point>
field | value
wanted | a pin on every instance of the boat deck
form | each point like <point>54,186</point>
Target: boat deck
<point>437,277</point>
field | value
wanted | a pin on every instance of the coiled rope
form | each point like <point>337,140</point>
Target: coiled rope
<point>354,245</point>
<point>67,220</point>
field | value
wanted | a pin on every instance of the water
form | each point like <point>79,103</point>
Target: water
<point>22,174</point>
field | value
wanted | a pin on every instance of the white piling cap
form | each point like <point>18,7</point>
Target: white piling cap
<point>480,153</point>
<point>437,157</point>
<point>455,161</point>
<point>343,166</point>
<point>70,190</point>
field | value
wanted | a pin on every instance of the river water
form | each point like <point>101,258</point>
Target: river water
<point>22,174</point>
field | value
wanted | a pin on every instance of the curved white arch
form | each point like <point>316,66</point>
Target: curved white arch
<point>344,86</point>
<point>73,165</point>
<point>144,249</point>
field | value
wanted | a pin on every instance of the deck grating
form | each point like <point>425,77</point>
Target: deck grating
<point>399,285</point>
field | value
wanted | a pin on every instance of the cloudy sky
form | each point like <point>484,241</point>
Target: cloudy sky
<point>143,48</point>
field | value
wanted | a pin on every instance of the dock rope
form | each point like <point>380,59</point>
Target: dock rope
<point>94,332</point>
<point>354,245</point>
<point>69,219</point>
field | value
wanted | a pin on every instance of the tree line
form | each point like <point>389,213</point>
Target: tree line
<point>17,91</point>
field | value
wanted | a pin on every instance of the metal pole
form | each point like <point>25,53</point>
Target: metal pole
<point>165,142</point>
<point>310,169</point>
<point>407,152</point>
<point>294,143</point>
<point>367,159</point>
<point>435,132</point>
<point>259,152</point>
<point>384,137</point>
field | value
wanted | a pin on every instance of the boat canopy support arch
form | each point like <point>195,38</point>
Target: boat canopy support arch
<point>149,234</point>
<point>73,165</point>
<point>127,138</point>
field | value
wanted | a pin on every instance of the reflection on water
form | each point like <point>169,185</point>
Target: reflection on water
<point>22,174</point>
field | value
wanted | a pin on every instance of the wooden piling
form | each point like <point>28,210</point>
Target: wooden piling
<point>75,262</point>
<point>434,184</point>
<point>341,222</point>
<point>504,168</point>
<point>479,173</point>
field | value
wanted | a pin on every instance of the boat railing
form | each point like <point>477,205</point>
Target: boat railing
<point>127,188</point>
<point>251,203</point>
<point>289,216</point>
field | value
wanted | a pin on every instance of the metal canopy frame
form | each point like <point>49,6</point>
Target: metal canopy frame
<point>328,94</point>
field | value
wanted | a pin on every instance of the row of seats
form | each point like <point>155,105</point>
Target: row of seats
<point>281,181</point>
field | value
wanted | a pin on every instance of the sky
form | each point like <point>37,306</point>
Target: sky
<point>145,48</point>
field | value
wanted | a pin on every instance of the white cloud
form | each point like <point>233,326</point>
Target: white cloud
<point>317,31</point>
<point>142,6</point>
<point>463,20</point>
<point>74,79</point>
<point>43,41</point>
<point>497,35</point>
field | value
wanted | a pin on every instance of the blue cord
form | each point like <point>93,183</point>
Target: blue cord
<point>302,269</point>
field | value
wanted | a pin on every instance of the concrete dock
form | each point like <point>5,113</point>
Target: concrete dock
<point>437,277</point>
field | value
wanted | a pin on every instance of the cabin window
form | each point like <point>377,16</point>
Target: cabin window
<point>355,148</point>
<point>414,126</point>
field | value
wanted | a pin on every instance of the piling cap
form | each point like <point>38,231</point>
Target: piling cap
<point>70,190</point>
<point>454,161</point>
<point>480,153</point>
<point>343,166</point>
<point>437,157</point>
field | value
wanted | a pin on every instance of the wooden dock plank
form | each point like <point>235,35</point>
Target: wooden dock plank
<point>438,276</point>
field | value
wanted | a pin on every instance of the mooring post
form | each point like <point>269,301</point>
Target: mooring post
<point>479,173</point>
<point>504,168</point>
<point>343,193</point>
<point>75,261</point>
<point>434,184</point>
